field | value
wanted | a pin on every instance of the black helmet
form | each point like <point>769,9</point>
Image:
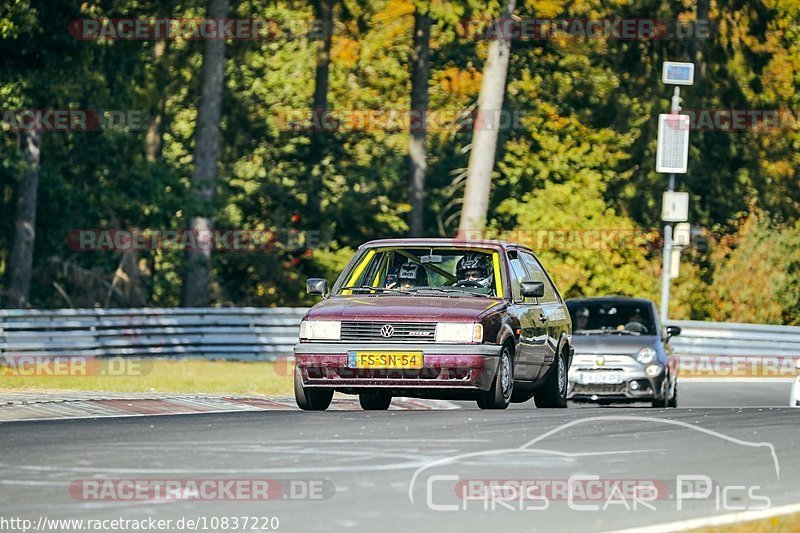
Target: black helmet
<point>474,261</point>
<point>412,274</point>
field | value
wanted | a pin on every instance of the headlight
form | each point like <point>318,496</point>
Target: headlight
<point>313,330</point>
<point>652,371</point>
<point>459,332</point>
<point>646,355</point>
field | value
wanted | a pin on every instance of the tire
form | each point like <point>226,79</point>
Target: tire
<point>553,392</point>
<point>375,401</point>
<point>310,399</point>
<point>673,402</point>
<point>665,402</point>
<point>499,396</point>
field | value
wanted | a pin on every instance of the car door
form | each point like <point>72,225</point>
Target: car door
<point>552,317</point>
<point>533,330</point>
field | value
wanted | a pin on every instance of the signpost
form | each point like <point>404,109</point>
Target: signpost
<point>672,157</point>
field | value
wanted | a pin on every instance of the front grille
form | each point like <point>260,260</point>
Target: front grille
<point>401,331</point>
<point>599,388</point>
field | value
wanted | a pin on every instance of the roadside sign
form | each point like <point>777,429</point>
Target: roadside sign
<point>682,235</point>
<point>676,73</point>
<point>675,206</point>
<point>672,154</point>
<point>674,263</point>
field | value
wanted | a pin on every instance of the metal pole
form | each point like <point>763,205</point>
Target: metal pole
<point>666,259</point>
<point>665,262</point>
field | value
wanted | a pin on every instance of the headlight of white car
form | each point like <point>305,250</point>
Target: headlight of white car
<point>646,356</point>
<point>318,330</point>
<point>459,332</point>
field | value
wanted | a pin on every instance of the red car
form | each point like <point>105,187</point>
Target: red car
<point>436,318</point>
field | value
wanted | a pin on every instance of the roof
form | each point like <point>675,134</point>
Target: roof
<point>440,242</point>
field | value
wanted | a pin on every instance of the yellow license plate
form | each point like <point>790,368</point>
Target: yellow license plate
<point>385,360</point>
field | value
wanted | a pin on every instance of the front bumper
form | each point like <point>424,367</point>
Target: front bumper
<point>627,380</point>
<point>465,367</point>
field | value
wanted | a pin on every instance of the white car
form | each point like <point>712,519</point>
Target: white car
<point>794,398</point>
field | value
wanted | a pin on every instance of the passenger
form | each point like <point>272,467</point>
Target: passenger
<point>411,275</point>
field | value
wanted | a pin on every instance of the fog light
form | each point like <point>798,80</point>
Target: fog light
<point>634,385</point>
<point>652,371</point>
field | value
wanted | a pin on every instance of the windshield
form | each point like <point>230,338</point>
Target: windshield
<point>424,270</point>
<point>609,316</point>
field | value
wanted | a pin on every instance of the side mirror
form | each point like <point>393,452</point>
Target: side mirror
<point>532,289</point>
<point>673,331</point>
<point>317,286</point>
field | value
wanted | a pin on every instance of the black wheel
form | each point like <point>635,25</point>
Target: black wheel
<point>664,401</point>
<point>660,403</point>
<point>499,396</point>
<point>673,402</point>
<point>310,399</point>
<point>375,401</point>
<point>553,392</point>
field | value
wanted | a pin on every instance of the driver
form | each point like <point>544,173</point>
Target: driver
<point>635,322</point>
<point>411,275</point>
<point>474,269</point>
<point>582,318</point>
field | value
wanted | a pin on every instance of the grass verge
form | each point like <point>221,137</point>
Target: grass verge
<point>157,375</point>
<point>780,524</point>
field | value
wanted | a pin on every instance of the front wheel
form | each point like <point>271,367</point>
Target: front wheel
<point>673,402</point>
<point>310,399</point>
<point>553,392</point>
<point>499,396</point>
<point>375,401</point>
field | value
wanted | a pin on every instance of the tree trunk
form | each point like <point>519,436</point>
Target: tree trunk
<point>485,131</point>
<point>21,262</point>
<point>417,152</point>
<point>324,10</point>
<point>196,281</point>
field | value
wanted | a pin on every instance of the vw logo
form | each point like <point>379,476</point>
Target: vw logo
<point>387,330</point>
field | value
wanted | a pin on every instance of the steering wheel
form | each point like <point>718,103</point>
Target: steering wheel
<point>468,283</point>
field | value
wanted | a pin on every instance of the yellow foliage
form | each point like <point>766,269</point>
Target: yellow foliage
<point>460,82</point>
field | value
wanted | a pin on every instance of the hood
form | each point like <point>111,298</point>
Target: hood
<point>406,308</point>
<point>612,344</point>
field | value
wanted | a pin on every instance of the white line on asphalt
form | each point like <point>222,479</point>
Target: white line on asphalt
<point>735,380</point>
<point>716,520</point>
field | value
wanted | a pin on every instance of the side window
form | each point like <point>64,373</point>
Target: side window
<point>518,274</point>
<point>537,274</point>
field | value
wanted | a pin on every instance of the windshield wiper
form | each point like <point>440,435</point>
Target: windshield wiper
<point>378,289</point>
<point>605,332</point>
<point>441,289</point>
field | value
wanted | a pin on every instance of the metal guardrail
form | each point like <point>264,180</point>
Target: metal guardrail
<point>242,334</point>
<point>733,339</point>
<point>249,334</point>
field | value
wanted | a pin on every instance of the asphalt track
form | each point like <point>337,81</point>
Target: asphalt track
<point>371,465</point>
